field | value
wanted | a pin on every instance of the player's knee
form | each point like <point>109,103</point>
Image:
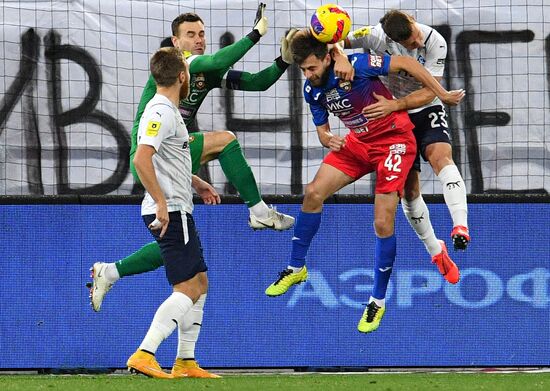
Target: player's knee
<point>383,226</point>
<point>313,195</point>
<point>226,137</point>
<point>411,193</point>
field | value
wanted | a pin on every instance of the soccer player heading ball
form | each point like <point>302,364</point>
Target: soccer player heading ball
<point>330,23</point>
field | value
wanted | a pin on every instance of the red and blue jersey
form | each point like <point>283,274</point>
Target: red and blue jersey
<point>346,100</point>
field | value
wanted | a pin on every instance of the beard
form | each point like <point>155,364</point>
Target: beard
<point>184,90</point>
<point>322,80</point>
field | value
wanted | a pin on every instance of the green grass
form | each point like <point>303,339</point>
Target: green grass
<point>284,382</point>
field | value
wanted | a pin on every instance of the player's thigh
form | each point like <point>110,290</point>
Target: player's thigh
<point>327,181</point>
<point>439,155</point>
<point>214,143</point>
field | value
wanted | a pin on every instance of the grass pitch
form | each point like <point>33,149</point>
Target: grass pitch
<point>286,382</point>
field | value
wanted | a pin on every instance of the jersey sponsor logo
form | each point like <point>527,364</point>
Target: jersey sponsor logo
<point>384,269</point>
<point>362,32</point>
<point>200,81</point>
<point>343,104</point>
<point>317,96</point>
<point>152,129</point>
<point>391,178</point>
<point>440,61</point>
<point>345,85</point>
<point>375,61</point>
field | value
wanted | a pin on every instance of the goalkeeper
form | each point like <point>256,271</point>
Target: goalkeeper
<point>207,72</point>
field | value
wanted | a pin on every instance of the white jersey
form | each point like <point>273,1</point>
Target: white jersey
<point>161,126</point>
<point>431,56</point>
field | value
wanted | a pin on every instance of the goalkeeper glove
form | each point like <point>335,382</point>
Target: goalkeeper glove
<point>286,53</point>
<point>260,24</point>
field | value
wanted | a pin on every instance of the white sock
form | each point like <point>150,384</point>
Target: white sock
<point>189,329</point>
<point>169,314</point>
<point>418,215</point>
<point>294,268</point>
<point>454,192</point>
<point>260,210</point>
<point>379,302</point>
<point>111,273</point>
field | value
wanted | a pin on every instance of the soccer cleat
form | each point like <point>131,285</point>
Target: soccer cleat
<point>146,364</point>
<point>190,368</point>
<point>461,237</point>
<point>371,318</point>
<point>287,278</point>
<point>100,285</point>
<point>445,264</point>
<point>275,220</point>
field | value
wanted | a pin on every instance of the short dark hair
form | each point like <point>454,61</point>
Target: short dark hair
<point>304,45</point>
<point>187,17</point>
<point>397,25</point>
<point>166,65</point>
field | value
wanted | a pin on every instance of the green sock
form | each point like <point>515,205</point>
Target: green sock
<point>146,259</point>
<point>239,173</point>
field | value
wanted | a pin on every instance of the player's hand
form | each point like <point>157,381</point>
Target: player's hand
<point>260,23</point>
<point>162,219</point>
<point>286,53</point>
<point>342,67</point>
<point>208,194</point>
<point>452,98</point>
<point>381,108</point>
<point>336,143</point>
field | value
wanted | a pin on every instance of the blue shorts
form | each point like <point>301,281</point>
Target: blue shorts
<point>430,126</point>
<point>180,247</point>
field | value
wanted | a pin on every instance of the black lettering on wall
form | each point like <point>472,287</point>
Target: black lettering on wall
<point>30,46</point>
<point>472,117</point>
<point>84,113</point>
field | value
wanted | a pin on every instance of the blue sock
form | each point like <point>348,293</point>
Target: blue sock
<point>307,225</point>
<point>384,257</point>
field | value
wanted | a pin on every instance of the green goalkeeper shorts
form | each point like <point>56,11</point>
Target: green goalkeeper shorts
<point>196,145</point>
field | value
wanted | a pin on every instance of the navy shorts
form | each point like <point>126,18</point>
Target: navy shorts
<point>430,126</point>
<point>180,247</point>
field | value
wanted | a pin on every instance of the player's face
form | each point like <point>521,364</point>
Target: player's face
<point>316,70</point>
<point>190,37</point>
<point>416,40</point>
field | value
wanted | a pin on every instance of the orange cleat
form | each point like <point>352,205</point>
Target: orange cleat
<point>190,368</point>
<point>461,237</point>
<point>146,364</point>
<point>445,264</point>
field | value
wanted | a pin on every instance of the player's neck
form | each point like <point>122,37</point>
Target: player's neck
<point>172,93</point>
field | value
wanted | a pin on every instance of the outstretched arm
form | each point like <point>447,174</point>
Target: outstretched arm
<point>412,66</point>
<point>229,55</point>
<point>261,81</point>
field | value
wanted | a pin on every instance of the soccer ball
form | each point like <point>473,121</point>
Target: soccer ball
<point>330,23</point>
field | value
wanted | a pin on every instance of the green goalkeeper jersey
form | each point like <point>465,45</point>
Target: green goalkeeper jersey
<point>213,71</point>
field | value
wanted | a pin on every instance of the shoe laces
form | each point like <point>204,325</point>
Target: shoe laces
<point>277,215</point>
<point>372,310</point>
<point>282,275</point>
